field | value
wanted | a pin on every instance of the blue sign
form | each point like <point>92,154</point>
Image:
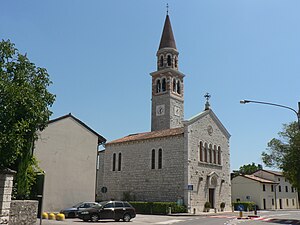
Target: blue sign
<point>240,207</point>
<point>190,187</point>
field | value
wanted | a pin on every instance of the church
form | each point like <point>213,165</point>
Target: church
<point>184,161</point>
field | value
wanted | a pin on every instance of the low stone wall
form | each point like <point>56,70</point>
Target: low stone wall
<point>23,212</point>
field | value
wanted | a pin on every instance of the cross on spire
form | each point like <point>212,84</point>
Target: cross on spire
<point>167,9</point>
<point>207,105</point>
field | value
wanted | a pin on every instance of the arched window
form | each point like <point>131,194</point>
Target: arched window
<point>176,61</point>
<point>215,154</point>
<point>163,85</point>
<point>201,151</point>
<point>158,86</point>
<point>153,159</point>
<point>178,87</point>
<point>210,153</point>
<point>160,158</point>
<point>174,85</point>
<point>205,152</point>
<point>114,162</point>
<point>169,60</point>
<point>219,155</point>
<point>161,61</point>
<point>120,162</point>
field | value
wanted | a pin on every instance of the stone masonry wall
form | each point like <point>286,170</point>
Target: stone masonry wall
<point>23,212</point>
<point>6,183</point>
<point>198,172</point>
<point>136,176</point>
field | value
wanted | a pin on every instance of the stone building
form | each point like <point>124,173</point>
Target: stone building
<point>178,160</point>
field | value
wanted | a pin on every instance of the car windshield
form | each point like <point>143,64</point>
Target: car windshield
<point>77,205</point>
<point>97,206</point>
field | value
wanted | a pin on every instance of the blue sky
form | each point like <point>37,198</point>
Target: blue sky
<point>99,54</point>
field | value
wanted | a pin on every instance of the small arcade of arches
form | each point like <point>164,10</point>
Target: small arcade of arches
<point>167,61</point>
<point>161,85</point>
<point>209,153</point>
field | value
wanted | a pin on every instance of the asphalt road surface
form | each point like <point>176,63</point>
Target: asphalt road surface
<point>265,218</point>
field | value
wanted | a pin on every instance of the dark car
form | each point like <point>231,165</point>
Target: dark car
<point>73,211</point>
<point>115,210</point>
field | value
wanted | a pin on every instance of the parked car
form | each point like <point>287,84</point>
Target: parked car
<point>73,211</point>
<point>115,210</point>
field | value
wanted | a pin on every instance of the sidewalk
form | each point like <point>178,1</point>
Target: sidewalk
<point>229,213</point>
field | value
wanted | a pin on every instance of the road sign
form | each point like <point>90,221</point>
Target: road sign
<point>240,207</point>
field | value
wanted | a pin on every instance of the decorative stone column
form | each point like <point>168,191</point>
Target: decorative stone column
<point>6,184</point>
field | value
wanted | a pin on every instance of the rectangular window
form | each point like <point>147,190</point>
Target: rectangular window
<point>160,158</point>
<point>287,202</point>
<point>264,187</point>
<point>286,189</point>
<point>120,162</point>
<point>114,162</point>
<point>279,188</point>
<point>293,201</point>
<point>153,159</point>
<point>201,151</point>
<point>272,188</point>
<point>292,189</point>
<point>272,201</point>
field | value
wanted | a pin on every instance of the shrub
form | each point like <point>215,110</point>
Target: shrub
<point>158,208</point>
<point>222,205</point>
<point>207,205</point>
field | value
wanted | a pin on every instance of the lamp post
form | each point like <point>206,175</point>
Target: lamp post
<point>282,106</point>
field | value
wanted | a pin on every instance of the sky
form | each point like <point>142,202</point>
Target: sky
<point>99,54</point>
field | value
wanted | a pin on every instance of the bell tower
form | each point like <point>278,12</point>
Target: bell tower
<point>167,84</point>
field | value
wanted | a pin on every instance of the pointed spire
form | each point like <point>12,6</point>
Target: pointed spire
<point>167,39</point>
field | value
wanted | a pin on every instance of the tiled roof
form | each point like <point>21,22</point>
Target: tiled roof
<point>149,135</point>
<point>278,173</point>
<point>259,179</point>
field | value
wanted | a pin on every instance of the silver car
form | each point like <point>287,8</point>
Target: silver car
<point>73,211</point>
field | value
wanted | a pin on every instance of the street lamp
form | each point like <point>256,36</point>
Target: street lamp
<point>282,106</point>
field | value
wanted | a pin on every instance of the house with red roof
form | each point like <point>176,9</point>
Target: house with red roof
<point>268,189</point>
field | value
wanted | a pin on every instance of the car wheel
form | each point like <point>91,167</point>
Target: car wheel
<point>85,220</point>
<point>94,218</point>
<point>117,220</point>
<point>126,217</point>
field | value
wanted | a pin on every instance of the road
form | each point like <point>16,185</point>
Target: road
<point>265,218</point>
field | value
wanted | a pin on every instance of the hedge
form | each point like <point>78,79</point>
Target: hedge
<point>248,206</point>
<point>158,208</point>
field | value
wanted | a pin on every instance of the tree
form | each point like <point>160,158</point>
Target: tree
<point>247,169</point>
<point>284,153</point>
<point>24,110</point>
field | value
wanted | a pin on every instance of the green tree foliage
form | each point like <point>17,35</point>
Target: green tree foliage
<point>284,153</point>
<point>247,169</point>
<point>24,110</point>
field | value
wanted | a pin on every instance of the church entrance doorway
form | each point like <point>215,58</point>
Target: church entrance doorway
<point>212,197</point>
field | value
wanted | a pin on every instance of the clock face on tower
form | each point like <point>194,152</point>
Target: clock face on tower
<point>176,111</point>
<point>160,110</point>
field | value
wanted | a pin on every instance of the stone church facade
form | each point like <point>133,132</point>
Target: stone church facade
<point>178,160</point>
